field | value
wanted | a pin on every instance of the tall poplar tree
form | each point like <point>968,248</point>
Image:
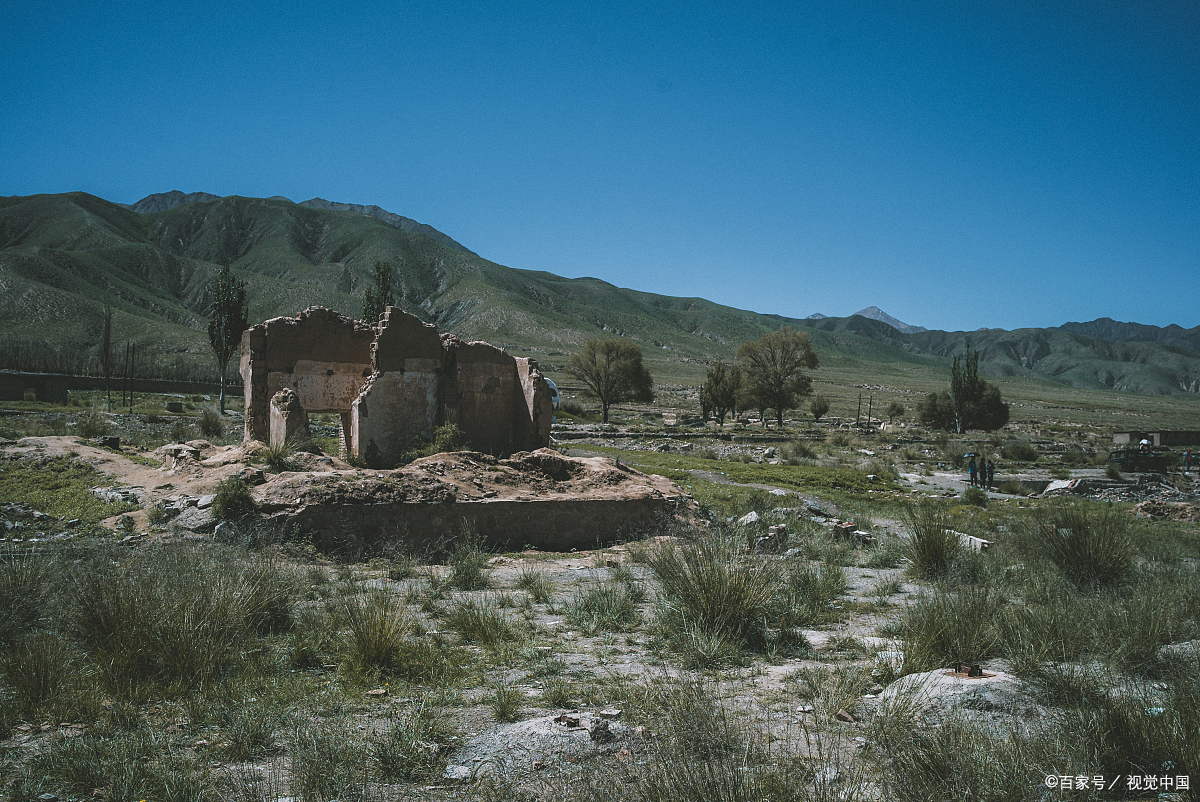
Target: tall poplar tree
<point>228,321</point>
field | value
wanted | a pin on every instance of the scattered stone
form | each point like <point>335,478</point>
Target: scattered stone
<point>842,715</point>
<point>460,774</point>
<point>196,520</point>
<point>204,502</point>
<point>109,441</point>
<point>377,692</point>
<point>1186,652</point>
<point>943,689</point>
<point>598,730</point>
<point>751,517</point>
<point>610,713</point>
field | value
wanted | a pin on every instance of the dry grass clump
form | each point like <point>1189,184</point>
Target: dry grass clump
<point>479,621</point>
<point>377,623</point>
<point>537,584</point>
<point>174,615</point>
<point>1092,546</point>
<point>715,603</point>
<point>951,625</point>
<point>932,545</point>
<point>608,606</point>
<point>414,746</point>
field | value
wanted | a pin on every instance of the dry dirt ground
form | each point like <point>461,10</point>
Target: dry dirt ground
<point>583,711</point>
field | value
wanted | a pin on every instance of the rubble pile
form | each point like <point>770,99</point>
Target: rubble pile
<point>1154,487</point>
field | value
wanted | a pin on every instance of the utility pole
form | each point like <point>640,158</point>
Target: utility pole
<point>858,414</point>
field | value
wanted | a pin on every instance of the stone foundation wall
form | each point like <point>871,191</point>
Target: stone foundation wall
<point>557,525</point>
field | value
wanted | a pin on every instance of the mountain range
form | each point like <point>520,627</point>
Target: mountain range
<point>63,256</point>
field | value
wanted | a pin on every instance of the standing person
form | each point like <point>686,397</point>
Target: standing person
<point>971,470</point>
<point>1187,461</point>
<point>991,473</point>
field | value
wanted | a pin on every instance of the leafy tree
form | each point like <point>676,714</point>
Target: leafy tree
<point>612,371</point>
<point>775,367</point>
<point>819,406</point>
<point>719,393</point>
<point>971,403</point>
<point>379,295</point>
<point>895,410</point>
<point>228,321</point>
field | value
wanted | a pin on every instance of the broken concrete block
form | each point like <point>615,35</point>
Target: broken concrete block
<point>288,420</point>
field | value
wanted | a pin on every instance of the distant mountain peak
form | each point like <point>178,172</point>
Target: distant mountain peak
<point>392,219</point>
<point>875,313</point>
<point>816,316</point>
<point>161,201</point>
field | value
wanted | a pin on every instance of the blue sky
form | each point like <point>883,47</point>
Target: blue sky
<point>960,165</point>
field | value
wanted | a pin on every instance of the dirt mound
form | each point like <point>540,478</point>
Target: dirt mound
<point>1172,511</point>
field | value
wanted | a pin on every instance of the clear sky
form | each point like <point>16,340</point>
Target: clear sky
<point>959,164</point>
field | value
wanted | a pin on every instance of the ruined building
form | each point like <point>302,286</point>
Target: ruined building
<point>392,384</point>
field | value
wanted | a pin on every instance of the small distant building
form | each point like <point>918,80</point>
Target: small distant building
<point>1159,438</point>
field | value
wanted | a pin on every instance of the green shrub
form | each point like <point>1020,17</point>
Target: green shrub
<point>233,499</point>
<point>951,625</point>
<point>25,587</point>
<point>975,497</point>
<point>932,545</point>
<point>1091,546</point>
<point>325,764</point>
<point>1019,450</point>
<point>479,622</point>
<point>171,615</point>
<point>280,456</point>
<point>1112,472</point>
<point>210,424</point>
<point>468,562</point>
<point>37,667</point>
<point>92,424</point>
<point>506,702</point>
<point>181,431</point>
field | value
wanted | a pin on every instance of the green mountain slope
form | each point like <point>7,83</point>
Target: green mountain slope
<point>63,256</point>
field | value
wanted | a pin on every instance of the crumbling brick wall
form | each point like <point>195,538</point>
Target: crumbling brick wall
<point>324,357</point>
<point>394,383</point>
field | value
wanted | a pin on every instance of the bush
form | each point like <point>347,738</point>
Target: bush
<point>210,425</point>
<point>25,581</point>
<point>506,702</point>
<point>537,584</point>
<point>92,424</point>
<point>1091,546</point>
<point>479,622</point>
<point>1112,472</point>
<point>932,545</point>
<point>233,499</point>
<point>1019,450</point>
<point>280,456</point>
<point>171,615</point>
<point>975,497</point>
<point>37,667</point>
<point>468,562</point>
